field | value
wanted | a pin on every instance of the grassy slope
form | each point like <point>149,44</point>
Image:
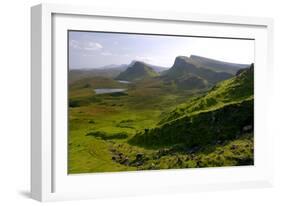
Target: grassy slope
<point>138,108</point>
<point>199,129</point>
<point>231,91</point>
<point>143,105</point>
<point>231,153</point>
<point>219,115</point>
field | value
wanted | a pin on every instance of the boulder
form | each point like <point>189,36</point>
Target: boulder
<point>139,156</point>
<point>247,128</point>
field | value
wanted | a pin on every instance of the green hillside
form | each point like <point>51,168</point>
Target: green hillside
<point>230,91</point>
<point>160,122</point>
<point>222,114</point>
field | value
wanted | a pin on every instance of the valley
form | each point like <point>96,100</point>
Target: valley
<point>187,116</point>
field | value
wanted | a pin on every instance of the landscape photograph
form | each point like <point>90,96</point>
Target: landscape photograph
<point>151,102</point>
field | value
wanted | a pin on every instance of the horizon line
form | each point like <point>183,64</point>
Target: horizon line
<point>127,64</point>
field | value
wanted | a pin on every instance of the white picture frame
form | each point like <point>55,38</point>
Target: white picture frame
<point>49,178</point>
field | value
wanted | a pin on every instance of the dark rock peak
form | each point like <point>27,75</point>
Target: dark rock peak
<point>182,58</point>
<point>138,63</point>
<point>247,69</point>
<point>183,61</point>
<point>252,67</point>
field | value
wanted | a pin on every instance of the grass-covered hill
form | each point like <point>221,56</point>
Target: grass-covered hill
<point>223,113</point>
<point>137,71</point>
<point>230,91</point>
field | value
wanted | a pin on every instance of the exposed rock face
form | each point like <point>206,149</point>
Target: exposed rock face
<point>183,61</point>
<point>250,69</point>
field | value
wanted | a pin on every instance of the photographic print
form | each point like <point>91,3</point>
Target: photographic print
<point>152,102</point>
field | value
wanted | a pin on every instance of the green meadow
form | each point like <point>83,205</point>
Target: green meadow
<point>156,124</point>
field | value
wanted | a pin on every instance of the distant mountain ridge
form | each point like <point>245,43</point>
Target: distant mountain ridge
<point>194,72</point>
<point>114,66</point>
<point>77,74</point>
<point>216,65</point>
<point>188,75</point>
<point>109,71</point>
<point>109,66</point>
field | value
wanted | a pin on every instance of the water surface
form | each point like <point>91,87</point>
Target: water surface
<point>108,90</point>
<point>124,82</point>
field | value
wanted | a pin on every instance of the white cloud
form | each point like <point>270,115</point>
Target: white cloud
<point>106,53</point>
<point>85,45</point>
<point>89,55</point>
<point>74,44</point>
<point>92,46</point>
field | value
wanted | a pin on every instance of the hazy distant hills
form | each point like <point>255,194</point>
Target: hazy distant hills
<point>189,73</point>
<point>110,71</point>
<point>114,66</point>
<point>192,72</point>
<point>137,71</point>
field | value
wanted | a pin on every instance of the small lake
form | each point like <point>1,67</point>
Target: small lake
<point>124,82</point>
<point>108,91</point>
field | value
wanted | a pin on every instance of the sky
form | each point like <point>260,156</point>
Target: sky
<point>98,49</point>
